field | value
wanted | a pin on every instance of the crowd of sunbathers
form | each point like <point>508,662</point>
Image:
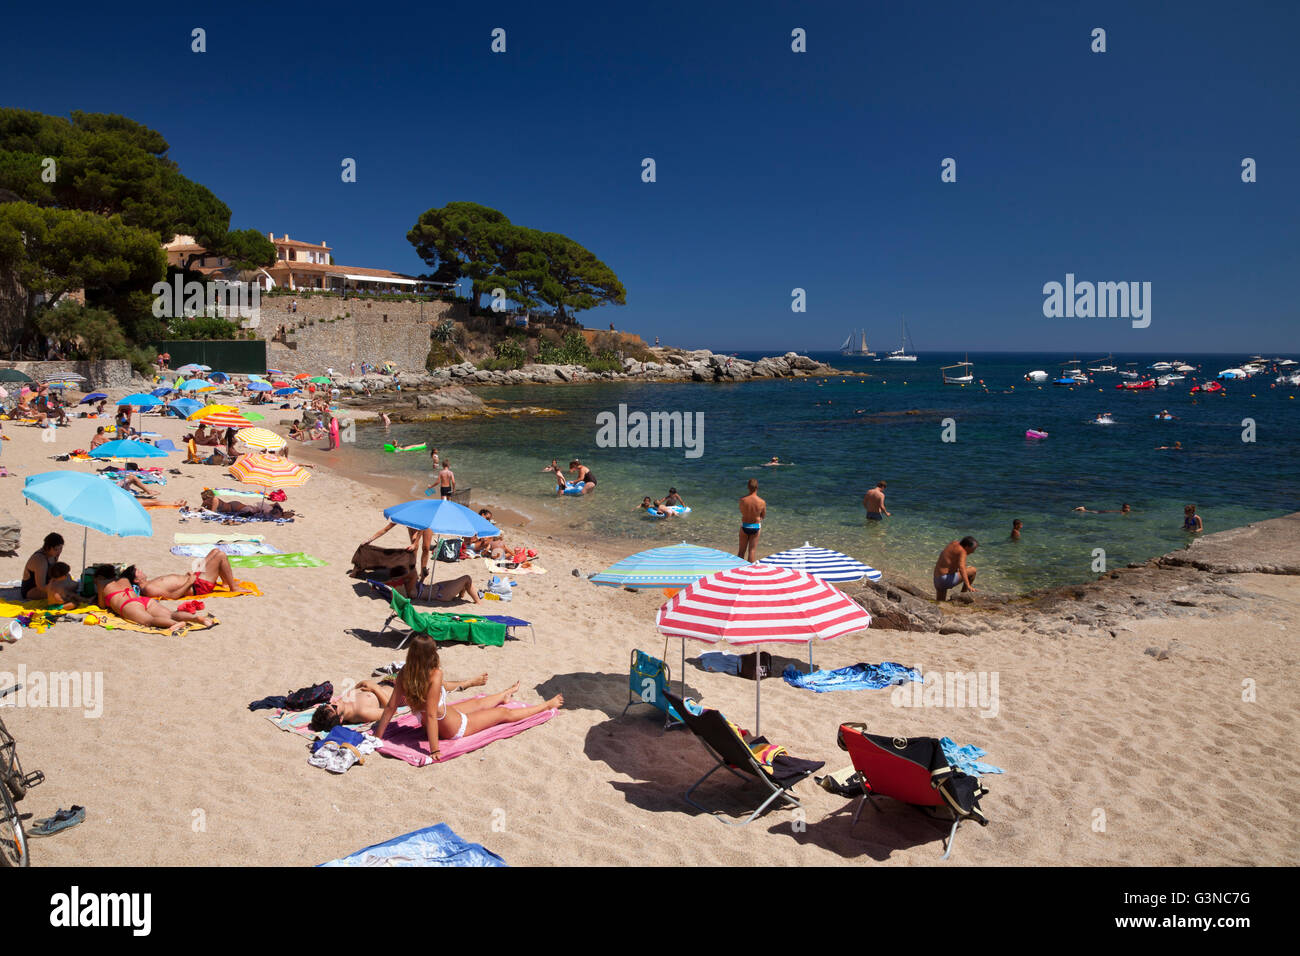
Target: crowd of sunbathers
<point>129,593</point>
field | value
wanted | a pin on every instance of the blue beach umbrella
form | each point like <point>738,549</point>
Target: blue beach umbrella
<point>287,391</point>
<point>259,386</point>
<point>219,377</point>
<point>822,563</point>
<point>143,399</point>
<point>127,448</point>
<point>92,398</point>
<point>442,518</point>
<point>195,385</point>
<point>90,501</point>
<point>674,566</point>
<point>185,407</point>
<point>161,391</point>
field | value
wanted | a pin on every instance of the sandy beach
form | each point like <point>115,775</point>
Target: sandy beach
<point>1112,756</point>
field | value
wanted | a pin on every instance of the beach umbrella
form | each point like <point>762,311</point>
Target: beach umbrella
<point>197,385</point>
<point>673,566</point>
<point>219,377</point>
<point>442,517</point>
<point>226,420</point>
<point>161,391</point>
<point>13,375</point>
<point>207,410</point>
<point>127,448</point>
<point>822,563</point>
<point>269,471</point>
<point>90,501</point>
<point>254,377</point>
<point>92,398</point>
<point>759,604</point>
<point>259,386</point>
<point>282,385</point>
<point>262,438</point>
<point>287,391</point>
<point>301,375</point>
<point>273,371</point>
<point>143,399</point>
<point>320,380</point>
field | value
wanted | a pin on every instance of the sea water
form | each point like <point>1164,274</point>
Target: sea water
<point>843,434</point>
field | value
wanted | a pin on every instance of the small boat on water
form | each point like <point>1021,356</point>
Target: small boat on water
<point>1207,387</point>
<point>1164,380</point>
<point>1105,418</point>
<point>1161,366</point>
<point>1130,371</point>
<point>1137,386</point>
<point>1038,376</point>
<point>1072,374</point>
<point>961,372</point>
<point>1034,434</point>
<point>1231,374</point>
<point>1103,365</point>
<point>900,354</point>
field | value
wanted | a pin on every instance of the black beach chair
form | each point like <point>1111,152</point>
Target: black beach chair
<point>733,753</point>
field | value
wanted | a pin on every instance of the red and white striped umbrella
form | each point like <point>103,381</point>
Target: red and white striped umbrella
<point>760,604</point>
<point>227,420</point>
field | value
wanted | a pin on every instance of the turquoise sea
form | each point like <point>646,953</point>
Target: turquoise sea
<point>845,434</point>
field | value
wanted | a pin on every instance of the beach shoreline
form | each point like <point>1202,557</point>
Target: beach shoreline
<point>176,770</point>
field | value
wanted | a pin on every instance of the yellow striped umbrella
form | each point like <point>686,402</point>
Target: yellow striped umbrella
<point>262,438</point>
<point>269,471</point>
<point>207,410</point>
<point>227,420</point>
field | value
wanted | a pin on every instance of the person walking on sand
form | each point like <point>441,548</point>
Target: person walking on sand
<point>951,569</point>
<point>753,510</point>
<point>874,502</point>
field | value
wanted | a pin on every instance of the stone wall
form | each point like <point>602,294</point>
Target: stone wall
<point>349,330</point>
<point>102,374</point>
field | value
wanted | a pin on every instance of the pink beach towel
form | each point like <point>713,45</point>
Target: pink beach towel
<point>406,739</point>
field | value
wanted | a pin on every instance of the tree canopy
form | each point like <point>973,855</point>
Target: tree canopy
<point>536,269</point>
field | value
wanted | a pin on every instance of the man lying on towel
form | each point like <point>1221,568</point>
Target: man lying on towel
<point>365,703</point>
<point>216,569</point>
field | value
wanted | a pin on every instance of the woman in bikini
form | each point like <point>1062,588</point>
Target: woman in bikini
<point>119,594</point>
<point>265,508</point>
<point>36,573</point>
<point>365,703</point>
<point>420,686</point>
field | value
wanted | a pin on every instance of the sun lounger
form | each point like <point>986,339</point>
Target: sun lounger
<point>756,758</point>
<point>471,629</point>
<point>914,771</point>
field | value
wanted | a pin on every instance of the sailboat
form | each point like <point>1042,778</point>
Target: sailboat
<point>1105,365</point>
<point>861,351</point>
<point>963,377</point>
<point>900,354</point>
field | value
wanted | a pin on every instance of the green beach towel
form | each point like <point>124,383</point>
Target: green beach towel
<point>448,627</point>
<point>295,559</point>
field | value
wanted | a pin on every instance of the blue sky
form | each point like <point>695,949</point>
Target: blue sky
<point>775,170</point>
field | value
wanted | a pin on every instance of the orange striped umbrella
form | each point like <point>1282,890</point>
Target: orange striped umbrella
<point>227,420</point>
<point>269,471</point>
<point>262,438</point>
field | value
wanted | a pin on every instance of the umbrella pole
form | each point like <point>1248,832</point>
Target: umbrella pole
<point>758,692</point>
<point>810,667</point>
<point>85,533</point>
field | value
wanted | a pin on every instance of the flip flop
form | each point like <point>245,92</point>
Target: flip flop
<point>62,820</point>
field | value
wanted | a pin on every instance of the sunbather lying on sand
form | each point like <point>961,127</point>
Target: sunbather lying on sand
<point>216,568</point>
<point>420,686</point>
<point>365,703</point>
<point>270,509</point>
<point>118,594</point>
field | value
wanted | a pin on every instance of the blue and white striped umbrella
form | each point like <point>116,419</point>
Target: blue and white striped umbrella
<point>674,566</point>
<point>822,563</point>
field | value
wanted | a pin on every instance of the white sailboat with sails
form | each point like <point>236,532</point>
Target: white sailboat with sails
<point>861,350</point>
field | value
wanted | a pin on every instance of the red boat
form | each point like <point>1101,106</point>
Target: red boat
<point>1208,387</point>
<point>1133,386</point>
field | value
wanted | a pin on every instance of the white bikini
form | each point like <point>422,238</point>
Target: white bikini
<point>442,705</point>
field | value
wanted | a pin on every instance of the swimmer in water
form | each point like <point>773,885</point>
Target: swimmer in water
<point>1016,525</point>
<point>1176,446</point>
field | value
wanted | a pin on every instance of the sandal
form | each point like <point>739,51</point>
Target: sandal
<point>62,820</point>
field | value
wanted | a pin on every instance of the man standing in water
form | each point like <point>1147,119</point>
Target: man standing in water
<point>951,569</point>
<point>753,510</point>
<point>874,502</point>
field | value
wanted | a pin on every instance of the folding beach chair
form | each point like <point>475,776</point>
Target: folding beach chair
<point>441,627</point>
<point>647,681</point>
<point>732,752</point>
<point>916,771</point>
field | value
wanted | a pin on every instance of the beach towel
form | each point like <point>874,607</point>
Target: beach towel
<point>146,503</point>
<point>206,515</point>
<point>233,493</point>
<point>92,615</point>
<point>721,663</point>
<point>853,677</point>
<point>406,738</point>
<point>183,538</point>
<point>294,559</point>
<point>146,477</point>
<point>232,548</point>
<point>964,758</point>
<point>528,567</point>
<point>243,589</point>
<point>433,846</point>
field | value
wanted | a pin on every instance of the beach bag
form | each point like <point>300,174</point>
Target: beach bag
<point>449,549</point>
<point>309,697</point>
<point>760,661</point>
